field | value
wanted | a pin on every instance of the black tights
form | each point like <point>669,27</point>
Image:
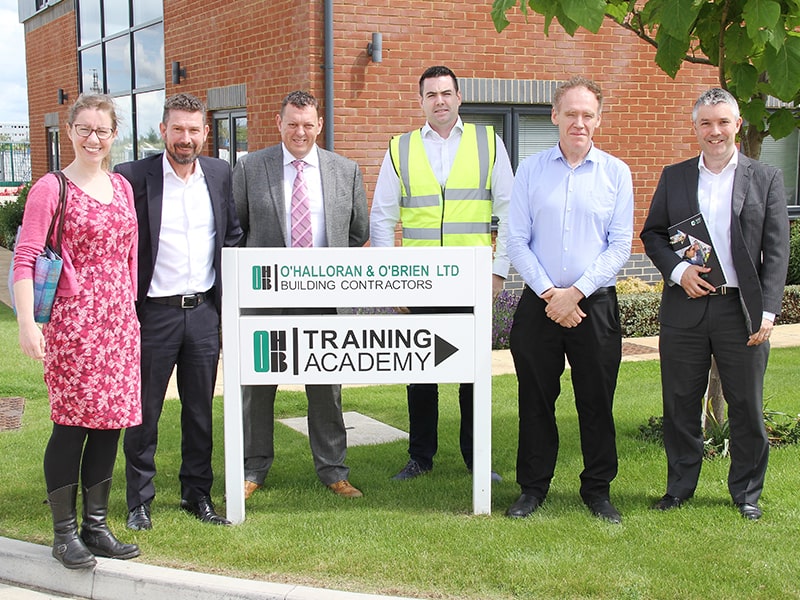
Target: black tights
<point>74,450</point>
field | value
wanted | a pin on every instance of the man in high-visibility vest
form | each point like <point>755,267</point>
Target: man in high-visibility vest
<point>444,182</point>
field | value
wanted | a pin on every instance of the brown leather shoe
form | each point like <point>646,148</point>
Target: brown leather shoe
<point>250,487</point>
<point>345,489</point>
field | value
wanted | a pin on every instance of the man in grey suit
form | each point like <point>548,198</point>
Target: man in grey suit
<point>330,189</point>
<point>743,203</point>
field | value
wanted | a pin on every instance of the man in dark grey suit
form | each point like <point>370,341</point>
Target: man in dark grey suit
<point>743,203</point>
<point>266,184</point>
<point>184,206</point>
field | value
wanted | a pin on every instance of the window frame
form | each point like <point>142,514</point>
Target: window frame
<point>511,114</point>
<point>230,116</point>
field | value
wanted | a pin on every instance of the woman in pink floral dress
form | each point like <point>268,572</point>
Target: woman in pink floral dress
<point>90,347</point>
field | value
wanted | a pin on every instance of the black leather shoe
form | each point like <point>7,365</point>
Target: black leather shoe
<point>668,502</point>
<point>203,509</point>
<point>525,505</point>
<point>749,511</point>
<point>603,509</point>
<point>139,518</point>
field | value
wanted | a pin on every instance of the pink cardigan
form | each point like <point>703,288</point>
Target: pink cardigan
<point>39,208</point>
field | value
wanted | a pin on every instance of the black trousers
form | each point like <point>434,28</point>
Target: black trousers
<point>423,410</point>
<point>189,340</point>
<point>685,361</point>
<point>594,351</point>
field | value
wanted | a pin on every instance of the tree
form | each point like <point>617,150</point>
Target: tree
<point>754,45</point>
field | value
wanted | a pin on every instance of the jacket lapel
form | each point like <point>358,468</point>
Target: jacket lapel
<point>328,180</point>
<point>273,167</point>
<point>741,183</point>
<point>155,200</point>
<point>691,179</point>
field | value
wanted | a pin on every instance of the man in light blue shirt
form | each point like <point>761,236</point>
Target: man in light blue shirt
<point>570,231</point>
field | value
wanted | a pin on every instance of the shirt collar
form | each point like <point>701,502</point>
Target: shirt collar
<point>312,158</point>
<point>428,131</point>
<point>732,164</point>
<point>168,170</point>
<point>591,155</point>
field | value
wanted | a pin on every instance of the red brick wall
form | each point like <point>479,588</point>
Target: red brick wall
<point>274,47</point>
<point>52,63</point>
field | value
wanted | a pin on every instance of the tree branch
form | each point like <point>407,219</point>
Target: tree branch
<point>641,34</point>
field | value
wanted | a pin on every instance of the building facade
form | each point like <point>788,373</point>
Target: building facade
<point>242,57</point>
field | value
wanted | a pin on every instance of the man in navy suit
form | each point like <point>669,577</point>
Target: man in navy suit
<point>743,203</point>
<point>184,205</point>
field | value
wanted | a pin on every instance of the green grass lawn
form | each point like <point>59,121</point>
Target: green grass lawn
<point>419,538</point>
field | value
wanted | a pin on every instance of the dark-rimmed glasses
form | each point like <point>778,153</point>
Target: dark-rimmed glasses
<point>102,133</point>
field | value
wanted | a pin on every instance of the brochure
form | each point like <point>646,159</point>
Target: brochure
<point>690,240</point>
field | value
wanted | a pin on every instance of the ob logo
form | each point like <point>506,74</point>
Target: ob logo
<point>262,277</point>
<point>269,352</point>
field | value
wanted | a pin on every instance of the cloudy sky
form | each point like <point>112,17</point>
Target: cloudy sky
<point>13,87</point>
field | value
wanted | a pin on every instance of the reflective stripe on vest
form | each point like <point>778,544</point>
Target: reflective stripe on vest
<point>459,215</point>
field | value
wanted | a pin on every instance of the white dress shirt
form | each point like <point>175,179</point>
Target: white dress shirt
<point>314,186</point>
<point>185,259</point>
<point>441,153</point>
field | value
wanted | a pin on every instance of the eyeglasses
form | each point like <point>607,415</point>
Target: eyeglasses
<point>102,133</point>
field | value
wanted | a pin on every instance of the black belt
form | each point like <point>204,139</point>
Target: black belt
<point>724,290</point>
<point>604,291</point>
<point>183,300</point>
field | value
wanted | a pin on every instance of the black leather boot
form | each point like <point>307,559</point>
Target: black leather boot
<point>68,548</point>
<point>94,529</point>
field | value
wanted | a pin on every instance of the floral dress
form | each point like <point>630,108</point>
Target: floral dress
<point>92,358</point>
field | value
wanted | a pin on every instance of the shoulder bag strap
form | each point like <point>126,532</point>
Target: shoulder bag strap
<point>59,212</point>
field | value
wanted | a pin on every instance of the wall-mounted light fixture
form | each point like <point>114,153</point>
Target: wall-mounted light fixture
<point>375,48</point>
<point>62,96</point>
<point>178,73</point>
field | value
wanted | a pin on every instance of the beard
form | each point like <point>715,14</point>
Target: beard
<point>183,159</point>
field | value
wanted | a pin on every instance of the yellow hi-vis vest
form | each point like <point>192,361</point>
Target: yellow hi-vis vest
<point>460,214</point>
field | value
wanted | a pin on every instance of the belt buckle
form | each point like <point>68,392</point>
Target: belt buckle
<point>189,301</point>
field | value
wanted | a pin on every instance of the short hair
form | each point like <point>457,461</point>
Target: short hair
<point>713,97</point>
<point>299,99</point>
<point>102,102</point>
<point>437,71</point>
<point>574,82</point>
<point>184,102</point>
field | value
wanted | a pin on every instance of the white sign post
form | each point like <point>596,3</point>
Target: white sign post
<point>348,348</point>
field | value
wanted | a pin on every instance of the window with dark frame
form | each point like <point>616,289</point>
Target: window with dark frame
<point>230,135</point>
<point>121,53</point>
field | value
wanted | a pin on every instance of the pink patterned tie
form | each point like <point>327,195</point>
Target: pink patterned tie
<point>301,214</point>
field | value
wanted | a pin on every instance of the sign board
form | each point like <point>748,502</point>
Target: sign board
<point>355,277</point>
<point>359,345</point>
<point>355,349</point>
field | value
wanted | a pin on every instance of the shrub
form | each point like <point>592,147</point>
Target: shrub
<point>793,275</point>
<point>11,217</point>
<point>634,285</point>
<point>502,318</point>
<point>790,306</point>
<point>638,314</point>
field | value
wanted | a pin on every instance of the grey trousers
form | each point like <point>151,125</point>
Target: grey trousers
<point>326,432</point>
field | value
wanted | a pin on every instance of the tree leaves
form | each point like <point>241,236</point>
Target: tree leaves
<point>755,41</point>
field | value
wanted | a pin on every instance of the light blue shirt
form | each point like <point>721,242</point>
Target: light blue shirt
<point>570,226</point>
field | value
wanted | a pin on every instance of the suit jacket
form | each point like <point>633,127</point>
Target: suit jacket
<point>260,204</point>
<point>147,179</point>
<point>759,239</point>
